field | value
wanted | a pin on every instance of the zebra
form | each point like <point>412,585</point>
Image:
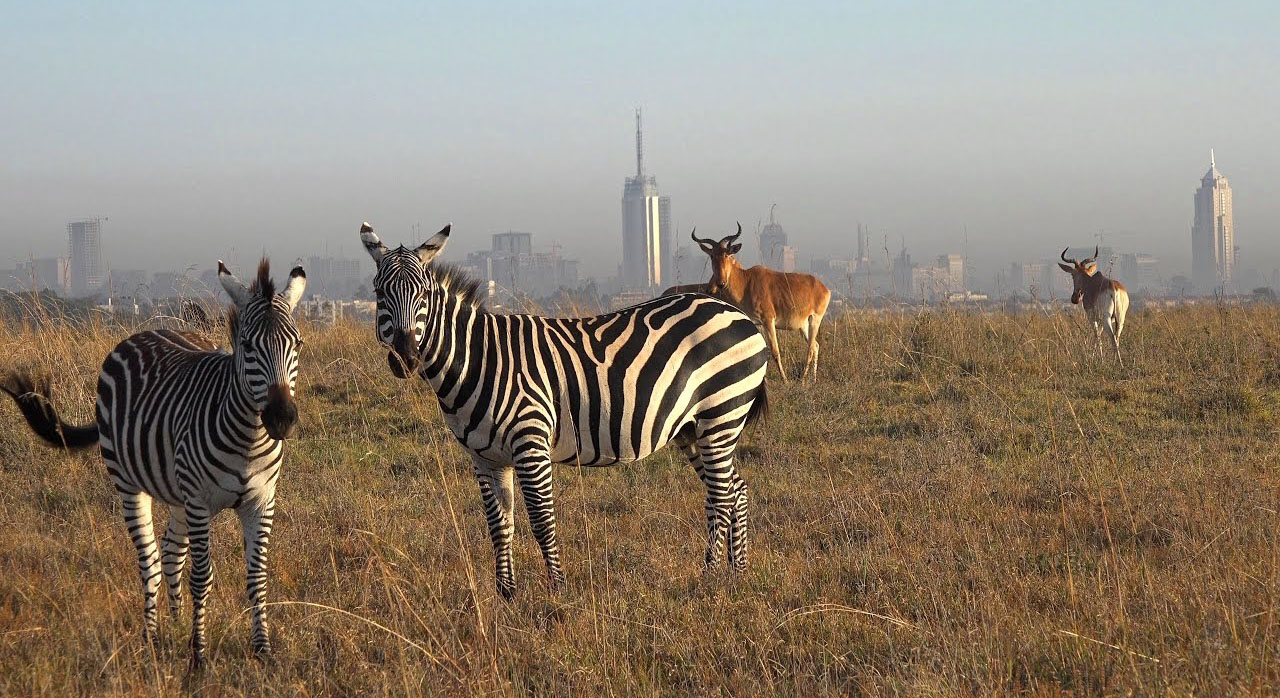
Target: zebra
<point>198,428</point>
<point>521,392</point>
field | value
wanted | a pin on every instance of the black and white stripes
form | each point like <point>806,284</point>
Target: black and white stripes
<point>199,429</point>
<point>522,392</point>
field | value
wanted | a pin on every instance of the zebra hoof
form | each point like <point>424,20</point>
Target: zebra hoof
<point>262,652</point>
<point>507,590</point>
<point>196,665</point>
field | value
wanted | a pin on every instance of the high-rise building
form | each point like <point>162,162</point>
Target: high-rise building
<point>648,236</point>
<point>775,253</point>
<point>952,266</point>
<point>84,238</point>
<point>1213,233</point>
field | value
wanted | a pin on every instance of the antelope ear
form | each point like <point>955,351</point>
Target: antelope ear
<point>239,294</point>
<point>428,250</point>
<point>372,243</point>
<point>735,248</point>
<point>1066,267</point>
<point>297,284</point>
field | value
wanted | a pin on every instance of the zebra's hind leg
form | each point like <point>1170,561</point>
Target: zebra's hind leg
<point>738,537</point>
<point>255,520</point>
<point>497,489</point>
<point>174,556</point>
<point>533,467</point>
<point>715,468</point>
<point>136,507</point>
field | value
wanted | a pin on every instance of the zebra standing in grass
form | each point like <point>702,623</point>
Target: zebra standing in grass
<point>522,392</point>
<point>201,430</point>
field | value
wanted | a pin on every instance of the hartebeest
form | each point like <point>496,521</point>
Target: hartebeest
<point>773,298</point>
<point>1105,300</point>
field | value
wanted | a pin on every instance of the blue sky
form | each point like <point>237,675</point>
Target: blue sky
<point>230,129</point>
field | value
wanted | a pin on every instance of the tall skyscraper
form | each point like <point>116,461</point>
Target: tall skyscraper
<point>1213,234</point>
<point>84,238</point>
<point>648,236</point>
<point>775,253</point>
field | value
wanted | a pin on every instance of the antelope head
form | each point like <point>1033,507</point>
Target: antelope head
<point>1080,271</point>
<point>721,254</point>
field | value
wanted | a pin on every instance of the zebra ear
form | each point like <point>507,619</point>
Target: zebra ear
<point>372,243</point>
<point>239,294</point>
<point>297,284</point>
<point>428,250</point>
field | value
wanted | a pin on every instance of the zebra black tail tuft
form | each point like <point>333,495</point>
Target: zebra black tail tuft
<point>759,405</point>
<point>32,397</point>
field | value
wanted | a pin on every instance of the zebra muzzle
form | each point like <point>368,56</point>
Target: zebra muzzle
<point>403,357</point>
<point>280,416</point>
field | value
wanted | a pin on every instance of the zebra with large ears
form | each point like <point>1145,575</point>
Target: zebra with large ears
<point>201,430</point>
<point>521,392</point>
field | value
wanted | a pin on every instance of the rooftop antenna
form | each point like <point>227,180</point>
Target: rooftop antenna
<point>771,207</point>
<point>1211,163</point>
<point>639,147</point>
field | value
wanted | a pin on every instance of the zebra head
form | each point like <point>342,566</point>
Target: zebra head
<point>266,343</point>
<point>402,285</point>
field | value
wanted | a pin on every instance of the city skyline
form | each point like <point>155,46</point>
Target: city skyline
<point>513,267</point>
<point>265,129</point>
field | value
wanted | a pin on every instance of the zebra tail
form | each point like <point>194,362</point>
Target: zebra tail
<point>32,397</point>
<point>759,405</point>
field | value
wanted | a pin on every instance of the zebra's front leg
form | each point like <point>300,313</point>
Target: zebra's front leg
<point>198,520</point>
<point>497,489</point>
<point>136,508</point>
<point>533,466</point>
<point>255,521</point>
<point>174,556</point>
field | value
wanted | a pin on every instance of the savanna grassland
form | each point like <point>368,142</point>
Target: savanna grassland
<point>963,504</point>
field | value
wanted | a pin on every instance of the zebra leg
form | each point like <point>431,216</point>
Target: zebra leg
<point>198,520</point>
<point>255,522</point>
<point>136,507</point>
<point>533,467</point>
<point>174,556</point>
<point>738,538</point>
<point>497,489</point>
<point>715,467</point>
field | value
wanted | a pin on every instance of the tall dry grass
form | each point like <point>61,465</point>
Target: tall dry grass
<point>964,504</point>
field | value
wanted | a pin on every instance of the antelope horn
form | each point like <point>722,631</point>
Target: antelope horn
<point>1064,256</point>
<point>694,234</point>
<point>1095,253</point>
<point>735,236</point>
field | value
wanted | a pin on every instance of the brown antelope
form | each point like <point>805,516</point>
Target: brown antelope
<point>1105,300</point>
<point>773,298</point>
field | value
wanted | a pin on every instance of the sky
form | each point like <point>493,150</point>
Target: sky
<point>228,130</point>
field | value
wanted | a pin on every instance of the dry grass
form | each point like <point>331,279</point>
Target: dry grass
<point>964,505</point>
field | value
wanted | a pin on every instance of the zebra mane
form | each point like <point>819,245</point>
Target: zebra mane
<point>263,285</point>
<point>459,283</point>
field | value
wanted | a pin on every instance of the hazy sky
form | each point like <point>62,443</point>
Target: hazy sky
<point>227,129</point>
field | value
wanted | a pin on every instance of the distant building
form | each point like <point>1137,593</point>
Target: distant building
<point>952,266</point>
<point>648,234</point>
<point>46,274</point>
<point>775,253</point>
<point>335,278</point>
<point>514,271</point>
<point>1140,273</point>
<point>1030,279</point>
<point>84,240</point>
<point>1213,233</point>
